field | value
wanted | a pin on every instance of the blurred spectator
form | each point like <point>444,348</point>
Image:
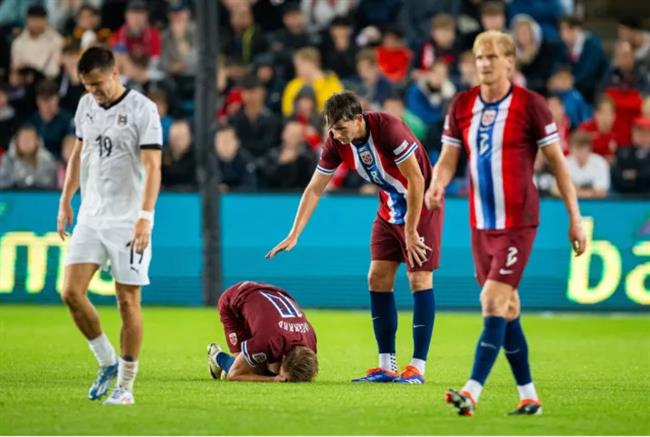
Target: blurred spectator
<point>22,90</point>
<point>631,167</point>
<point>88,31</point>
<point>290,166</point>
<point>441,44</point>
<point>229,99</point>
<point>309,75</point>
<point>8,119</point>
<point>378,13</point>
<point>545,12</point>
<point>257,128</point>
<point>374,87</point>
<point>62,13</point>
<point>339,50</point>
<point>561,84</point>
<point>415,17</point>
<point>467,70</point>
<point>605,138</point>
<point>537,58</point>
<point>245,40</point>
<point>233,164</point>
<point>584,53</point>
<point>14,12</point>
<point>631,31</point>
<point>265,72</point>
<point>561,120</point>
<point>626,84</point>
<point>70,86</point>
<point>51,122</point>
<point>137,40</point>
<point>160,97</point>
<point>309,118</point>
<point>179,53</point>
<point>67,146</point>
<point>393,56</point>
<point>429,97</point>
<point>293,36</point>
<point>39,45</point>
<point>394,105</point>
<point>178,165</point>
<point>27,164</point>
<point>589,171</point>
<point>645,109</point>
<point>320,14</point>
<point>492,16</point>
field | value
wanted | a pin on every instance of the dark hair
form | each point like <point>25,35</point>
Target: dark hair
<point>37,11</point>
<point>340,21</point>
<point>301,364</point>
<point>95,57</point>
<point>572,21</point>
<point>631,21</point>
<point>47,88</point>
<point>88,7</point>
<point>341,106</point>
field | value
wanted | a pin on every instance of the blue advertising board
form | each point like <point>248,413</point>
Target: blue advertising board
<point>329,265</point>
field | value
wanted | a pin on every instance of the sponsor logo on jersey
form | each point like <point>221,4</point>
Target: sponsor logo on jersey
<point>366,157</point>
<point>488,117</point>
<point>259,357</point>
<point>121,120</point>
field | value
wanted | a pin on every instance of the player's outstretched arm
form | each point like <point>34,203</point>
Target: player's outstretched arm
<point>242,371</point>
<point>308,202</point>
<point>70,186</point>
<point>555,158</point>
<point>151,160</point>
<point>443,173</point>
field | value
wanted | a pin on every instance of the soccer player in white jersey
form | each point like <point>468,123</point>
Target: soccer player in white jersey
<point>116,162</point>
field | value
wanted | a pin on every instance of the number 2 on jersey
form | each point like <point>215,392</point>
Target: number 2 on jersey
<point>105,146</point>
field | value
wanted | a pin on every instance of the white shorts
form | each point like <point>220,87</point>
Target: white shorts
<point>98,246</point>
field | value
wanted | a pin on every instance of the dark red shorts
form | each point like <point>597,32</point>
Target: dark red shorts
<point>387,240</point>
<point>502,255</point>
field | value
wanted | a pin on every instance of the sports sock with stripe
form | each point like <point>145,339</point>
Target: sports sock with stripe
<point>384,321</point>
<point>224,361</point>
<point>516,350</point>
<point>424,314</point>
<point>488,347</point>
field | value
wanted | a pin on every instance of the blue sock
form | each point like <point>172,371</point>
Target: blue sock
<point>488,347</point>
<point>516,350</point>
<point>384,320</point>
<point>225,361</point>
<point>424,314</point>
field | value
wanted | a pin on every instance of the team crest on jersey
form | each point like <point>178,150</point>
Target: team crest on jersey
<point>121,119</point>
<point>259,357</point>
<point>366,157</point>
<point>488,117</point>
<point>232,338</point>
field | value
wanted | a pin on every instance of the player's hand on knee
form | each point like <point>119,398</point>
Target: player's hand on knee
<point>416,250</point>
<point>141,235</point>
<point>434,196</point>
<point>287,244</point>
<point>64,219</point>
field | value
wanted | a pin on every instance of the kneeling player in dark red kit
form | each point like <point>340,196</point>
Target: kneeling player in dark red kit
<point>268,335</point>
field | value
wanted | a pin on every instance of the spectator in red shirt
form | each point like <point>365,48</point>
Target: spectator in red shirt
<point>136,39</point>
<point>393,57</point>
<point>442,44</point>
<point>602,127</point>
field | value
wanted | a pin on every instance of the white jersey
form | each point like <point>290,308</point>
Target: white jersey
<point>111,175</point>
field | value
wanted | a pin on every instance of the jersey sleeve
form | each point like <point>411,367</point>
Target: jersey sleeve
<point>329,159</point>
<point>149,127</point>
<point>78,117</point>
<point>398,139</point>
<point>542,126</point>
<point>451,133</point>
<point>259,350</point>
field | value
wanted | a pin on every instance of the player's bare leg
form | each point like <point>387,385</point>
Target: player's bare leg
<point>381,279</point>
<point>75,286</point>
<point>421,283</point>
<point>128,300</point>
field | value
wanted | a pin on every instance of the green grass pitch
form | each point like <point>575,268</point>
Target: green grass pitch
<point>592,373</point>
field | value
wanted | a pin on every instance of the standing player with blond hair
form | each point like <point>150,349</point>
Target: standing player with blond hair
<point>116,163</point>
<point>501,126</point>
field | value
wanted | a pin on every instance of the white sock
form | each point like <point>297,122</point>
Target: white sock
<point>103,350</point>
<point>388,362</point>
<point>419,364</point>
<point>527,392</point>
<point>474,388</point>
<point>126,374</point>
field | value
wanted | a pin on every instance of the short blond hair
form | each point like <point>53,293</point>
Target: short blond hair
<point>499,39</point>
<point>309,54</point>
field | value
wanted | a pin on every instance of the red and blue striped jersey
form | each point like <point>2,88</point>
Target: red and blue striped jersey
<point>389,143</point>
<point>501,139</point>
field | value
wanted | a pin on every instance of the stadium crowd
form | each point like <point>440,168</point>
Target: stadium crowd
<point>280,60</point>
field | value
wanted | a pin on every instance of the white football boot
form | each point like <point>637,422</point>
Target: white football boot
<point>213,367</point>
<point>120,396</point>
